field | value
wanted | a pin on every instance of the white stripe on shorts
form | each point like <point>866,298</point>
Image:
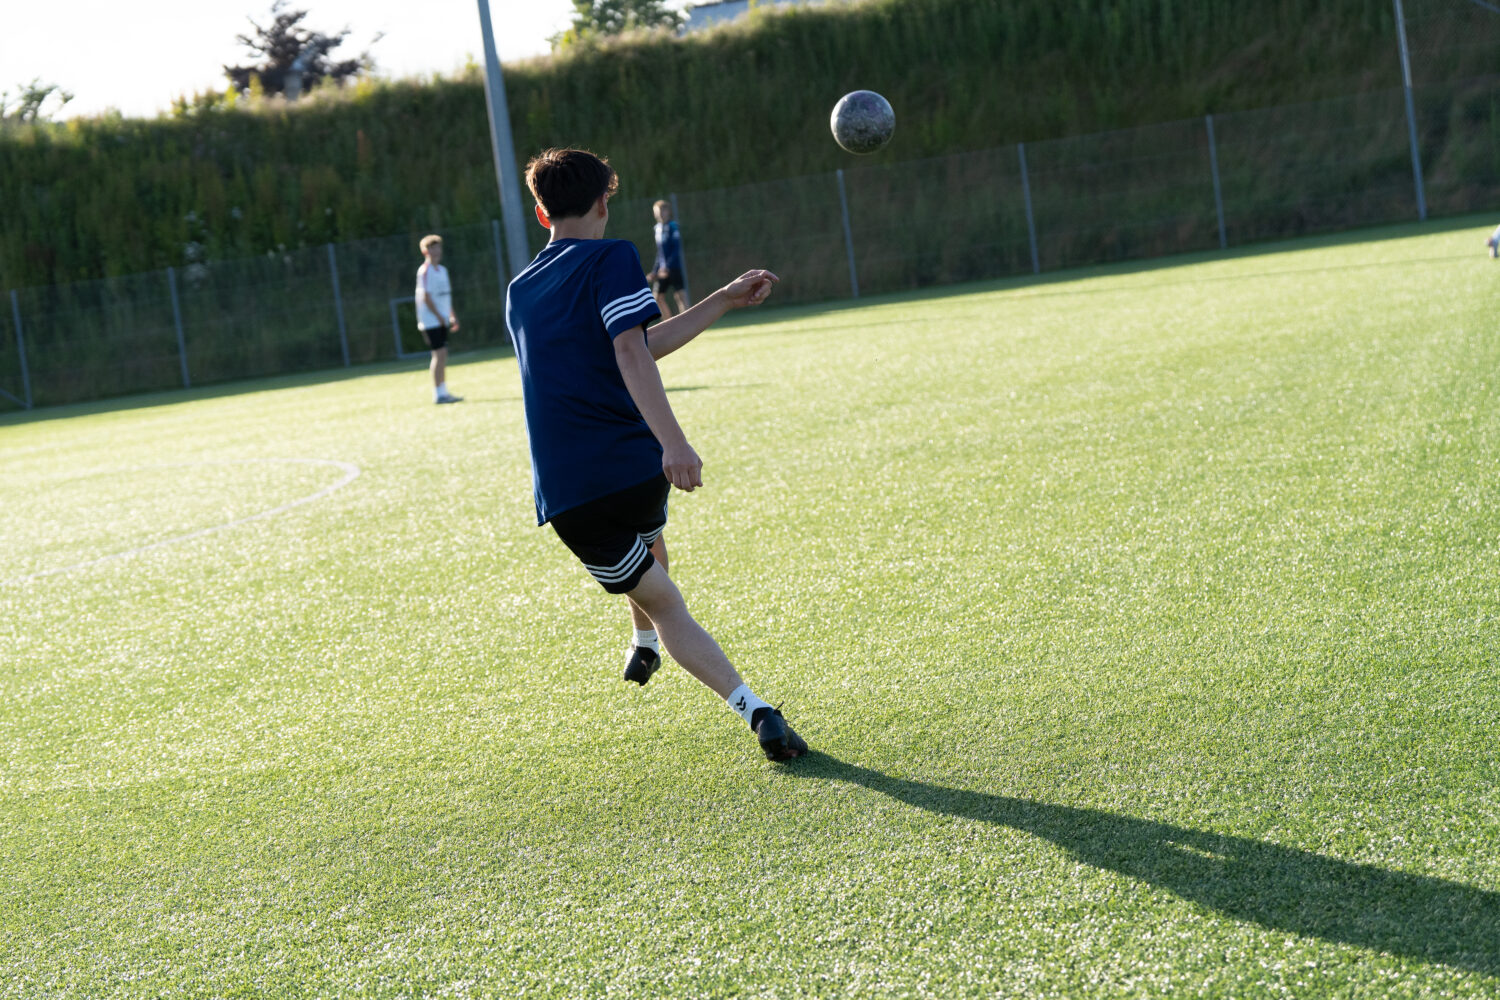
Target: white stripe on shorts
<point>625,305</point>
<point>650,537</point>
<point>622,569</point>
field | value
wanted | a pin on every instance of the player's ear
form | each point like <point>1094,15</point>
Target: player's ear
<point>541,216</point>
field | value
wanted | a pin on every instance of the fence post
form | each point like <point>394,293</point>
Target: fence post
<point>848,234</point>
<point>15,312</point>
<point>1036,262</point>
<point>1411,114</point>
<point>338,303</point>
<point>500,273</point>
<point>177,322</point>
<point>686,290</point>
<point>1213,163</point>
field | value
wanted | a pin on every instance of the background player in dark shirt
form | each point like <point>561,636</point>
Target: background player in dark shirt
<point>668,275</point>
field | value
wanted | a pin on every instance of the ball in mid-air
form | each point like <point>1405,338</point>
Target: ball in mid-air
<point>862,121</point>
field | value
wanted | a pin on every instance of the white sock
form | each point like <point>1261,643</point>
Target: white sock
<point>743,702</point>
<point>441,390</point>
<point>646,639</point>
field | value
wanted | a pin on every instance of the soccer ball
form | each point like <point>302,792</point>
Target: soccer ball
<point>862,121</point>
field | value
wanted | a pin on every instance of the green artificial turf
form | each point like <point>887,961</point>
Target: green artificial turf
<point>1144,623</point>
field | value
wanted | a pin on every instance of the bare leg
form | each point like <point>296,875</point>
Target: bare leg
<point>661,303</point>
<point>682,299</point>
<point>639,618</point>
<point>439,366</point>
<point>685,640</point>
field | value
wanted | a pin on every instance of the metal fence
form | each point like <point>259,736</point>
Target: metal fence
<point>1199,185</point>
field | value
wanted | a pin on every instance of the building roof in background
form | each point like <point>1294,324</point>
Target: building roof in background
<point>706,15</point>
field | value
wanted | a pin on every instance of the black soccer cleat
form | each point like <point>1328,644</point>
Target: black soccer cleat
<point>778,740</point>
<point>641,664</point>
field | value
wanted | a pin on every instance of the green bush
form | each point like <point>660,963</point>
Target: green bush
<point>746,102</point>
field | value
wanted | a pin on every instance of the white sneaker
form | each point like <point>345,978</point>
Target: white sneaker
<point>448,397</point>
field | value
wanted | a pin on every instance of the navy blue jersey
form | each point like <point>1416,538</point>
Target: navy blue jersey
<point>668,246</point>
<point>588,438</point>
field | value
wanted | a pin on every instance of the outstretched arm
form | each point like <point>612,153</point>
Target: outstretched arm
<point>749,289</point>
<point>679,463</point>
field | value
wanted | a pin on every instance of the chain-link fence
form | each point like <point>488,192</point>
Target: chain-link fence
<point>1223,180</point>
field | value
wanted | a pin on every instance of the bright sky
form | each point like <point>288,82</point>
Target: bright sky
<point>137,57</point>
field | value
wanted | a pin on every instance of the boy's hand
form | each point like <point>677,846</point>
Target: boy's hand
<point>682,467</point>
<point>749,289</point>
<point>452,322</point>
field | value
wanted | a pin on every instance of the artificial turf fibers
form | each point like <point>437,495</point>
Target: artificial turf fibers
<point>1144,622</point>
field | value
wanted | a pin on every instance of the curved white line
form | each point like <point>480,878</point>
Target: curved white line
<point>351,472</point>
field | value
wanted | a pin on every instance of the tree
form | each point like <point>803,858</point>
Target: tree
<point>30,103</point>
<point>597,18</point>
<point>293,59</point>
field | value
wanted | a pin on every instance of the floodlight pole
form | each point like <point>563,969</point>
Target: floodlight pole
<point>15,311</point>
<point>1411,112</point>
<point>504,148</point>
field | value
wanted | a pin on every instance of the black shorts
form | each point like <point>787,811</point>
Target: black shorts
<point>436,336</point>
<point>612,536</point>
<point>671,283</point>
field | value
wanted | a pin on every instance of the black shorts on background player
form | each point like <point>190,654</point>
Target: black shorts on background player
<point>436,336</point>
<point>671,283</point>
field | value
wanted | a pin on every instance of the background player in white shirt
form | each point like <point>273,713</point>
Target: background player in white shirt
<point>435,316</point>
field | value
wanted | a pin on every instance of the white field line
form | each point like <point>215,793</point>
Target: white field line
<point>351,472</point>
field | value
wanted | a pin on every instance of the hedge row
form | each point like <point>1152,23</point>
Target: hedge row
<point>744,103</point>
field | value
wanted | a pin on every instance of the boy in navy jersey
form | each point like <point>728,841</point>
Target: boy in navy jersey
<point>667,275</point>
<point>605,446</point>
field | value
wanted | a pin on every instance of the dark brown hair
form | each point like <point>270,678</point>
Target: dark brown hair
<point>567,182</point>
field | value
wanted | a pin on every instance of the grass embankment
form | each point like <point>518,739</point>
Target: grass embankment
<point>750,102</point>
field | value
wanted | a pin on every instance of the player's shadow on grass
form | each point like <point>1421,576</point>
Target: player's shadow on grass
<point>727,385</point>
<point>1280,888</point>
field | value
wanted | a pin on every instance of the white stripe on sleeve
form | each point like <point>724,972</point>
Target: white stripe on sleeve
<point>625,305</point>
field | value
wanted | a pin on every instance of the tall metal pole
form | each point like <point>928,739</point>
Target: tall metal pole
<point>1036,261</point>
<point>499,257</point>
<point>1213,164</point>
<point>15,311</point>
<point>848,235</point>
<point>499,273</point>
<point>503,148</point>
<point>187,383</point>
<point>338,303</point>
<point>1411,113</point>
